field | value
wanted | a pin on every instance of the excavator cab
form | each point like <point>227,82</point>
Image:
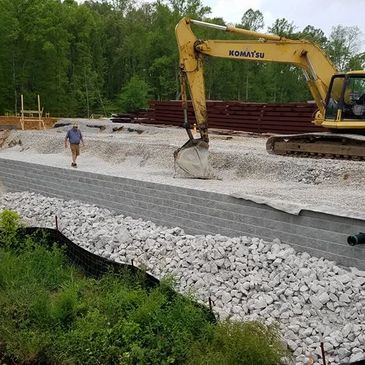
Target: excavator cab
<point>345,103</point>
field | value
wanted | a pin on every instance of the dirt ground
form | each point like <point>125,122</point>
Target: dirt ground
<point>244,168</point>
<point>15,122</point>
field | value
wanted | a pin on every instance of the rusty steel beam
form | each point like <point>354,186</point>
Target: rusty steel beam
<point>251,117</point>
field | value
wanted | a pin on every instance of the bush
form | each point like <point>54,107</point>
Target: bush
<point>9,225</point>
<point>51,313</point>
<point>134,95</point>
<point>232,343</point>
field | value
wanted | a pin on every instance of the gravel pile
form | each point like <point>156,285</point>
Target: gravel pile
<point>247,278</point>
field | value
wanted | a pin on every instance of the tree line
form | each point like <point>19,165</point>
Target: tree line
<point>107,56</point>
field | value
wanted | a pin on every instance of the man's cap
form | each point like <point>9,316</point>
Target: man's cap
<point>75,124</point>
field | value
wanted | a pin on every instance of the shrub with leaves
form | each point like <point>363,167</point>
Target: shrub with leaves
<point>9,225</point>
<point>246,343</point>
<point>134,96</point>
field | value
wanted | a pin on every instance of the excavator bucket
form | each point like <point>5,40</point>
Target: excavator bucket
<point>192,159</point>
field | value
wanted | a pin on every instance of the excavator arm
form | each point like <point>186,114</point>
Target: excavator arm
<point>317,67</point>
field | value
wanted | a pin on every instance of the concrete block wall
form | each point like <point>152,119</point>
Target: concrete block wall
<point>197,212</point>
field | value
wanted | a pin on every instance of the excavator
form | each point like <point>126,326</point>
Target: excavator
<point>339,96</point>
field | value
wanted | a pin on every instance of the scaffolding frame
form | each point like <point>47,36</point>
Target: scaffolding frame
<point>31,115</point>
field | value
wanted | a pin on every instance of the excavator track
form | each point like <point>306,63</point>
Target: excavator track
<point>319,145</point>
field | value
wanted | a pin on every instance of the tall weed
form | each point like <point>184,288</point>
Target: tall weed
<point>9,225</point>
<point>246,343</point>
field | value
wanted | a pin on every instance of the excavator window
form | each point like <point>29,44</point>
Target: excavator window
<point>334,96</point>
<point>346,93</point>
<point>354,97</point>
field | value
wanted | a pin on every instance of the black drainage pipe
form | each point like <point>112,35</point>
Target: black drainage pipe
<point>356,239</point>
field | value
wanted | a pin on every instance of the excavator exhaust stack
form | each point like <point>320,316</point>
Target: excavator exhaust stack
<point>192,160</point>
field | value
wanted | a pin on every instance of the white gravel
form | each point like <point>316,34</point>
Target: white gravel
<point>246,169</point>
<point>312,299</point>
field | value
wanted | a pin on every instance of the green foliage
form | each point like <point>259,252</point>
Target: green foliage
<point>254,343</point>
<point>134,95</point>
<point>51,313</point>
<point>9,225</point>
<point>79,55</point>
<point>29,281</point>
<point>343,45</point>
<point>357,62</point>
<point>314,35</point>
<point>252,20</point>
<point>282,27</point>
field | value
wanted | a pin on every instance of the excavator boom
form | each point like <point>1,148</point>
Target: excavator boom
<point>323,81</point>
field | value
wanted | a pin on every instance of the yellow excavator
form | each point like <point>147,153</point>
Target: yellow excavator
<point>340,97</point>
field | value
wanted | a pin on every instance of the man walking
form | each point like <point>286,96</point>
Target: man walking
<point>74,136</point>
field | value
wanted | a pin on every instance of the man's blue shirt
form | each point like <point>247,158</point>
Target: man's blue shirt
<point>74,136</point>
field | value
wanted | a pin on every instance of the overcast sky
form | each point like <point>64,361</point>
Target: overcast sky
<point>323,14</point>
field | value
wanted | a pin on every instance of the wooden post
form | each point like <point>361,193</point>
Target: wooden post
<point>22,111</point>
<point>39,105</point>
<point>30,113</point>
<point>40,112</point>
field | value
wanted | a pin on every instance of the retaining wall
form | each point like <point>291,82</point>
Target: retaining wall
<point>197,212</point>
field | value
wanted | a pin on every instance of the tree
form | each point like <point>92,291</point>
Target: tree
<point>36,45</point>
<point>343,43</point>
<point>286,81</point>
<point>79,55</point>
<point>356,62</point>
<point>134,95</point>
<point>9,32</point>
<point>253,20</point>
<point>191,8</point>
<point>314,35</point>
<point>282,27</point>
<point>122,6</point>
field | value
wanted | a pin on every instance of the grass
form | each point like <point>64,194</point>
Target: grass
<point>52,314</point>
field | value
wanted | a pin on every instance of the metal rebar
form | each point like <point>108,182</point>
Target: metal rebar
<point>210,304</point>
<point>323,354</point>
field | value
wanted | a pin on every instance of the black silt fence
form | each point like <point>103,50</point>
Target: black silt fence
<point>96,266</point>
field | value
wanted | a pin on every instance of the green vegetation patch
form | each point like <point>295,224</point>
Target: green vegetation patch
<point>52,314</point>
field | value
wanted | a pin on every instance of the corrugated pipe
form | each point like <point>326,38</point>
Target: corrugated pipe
<point>356,239</point>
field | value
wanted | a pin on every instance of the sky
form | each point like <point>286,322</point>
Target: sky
<point>323,14</point>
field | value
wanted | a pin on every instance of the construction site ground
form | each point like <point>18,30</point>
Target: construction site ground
<point>15,122</point>
<point>243,167</point>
